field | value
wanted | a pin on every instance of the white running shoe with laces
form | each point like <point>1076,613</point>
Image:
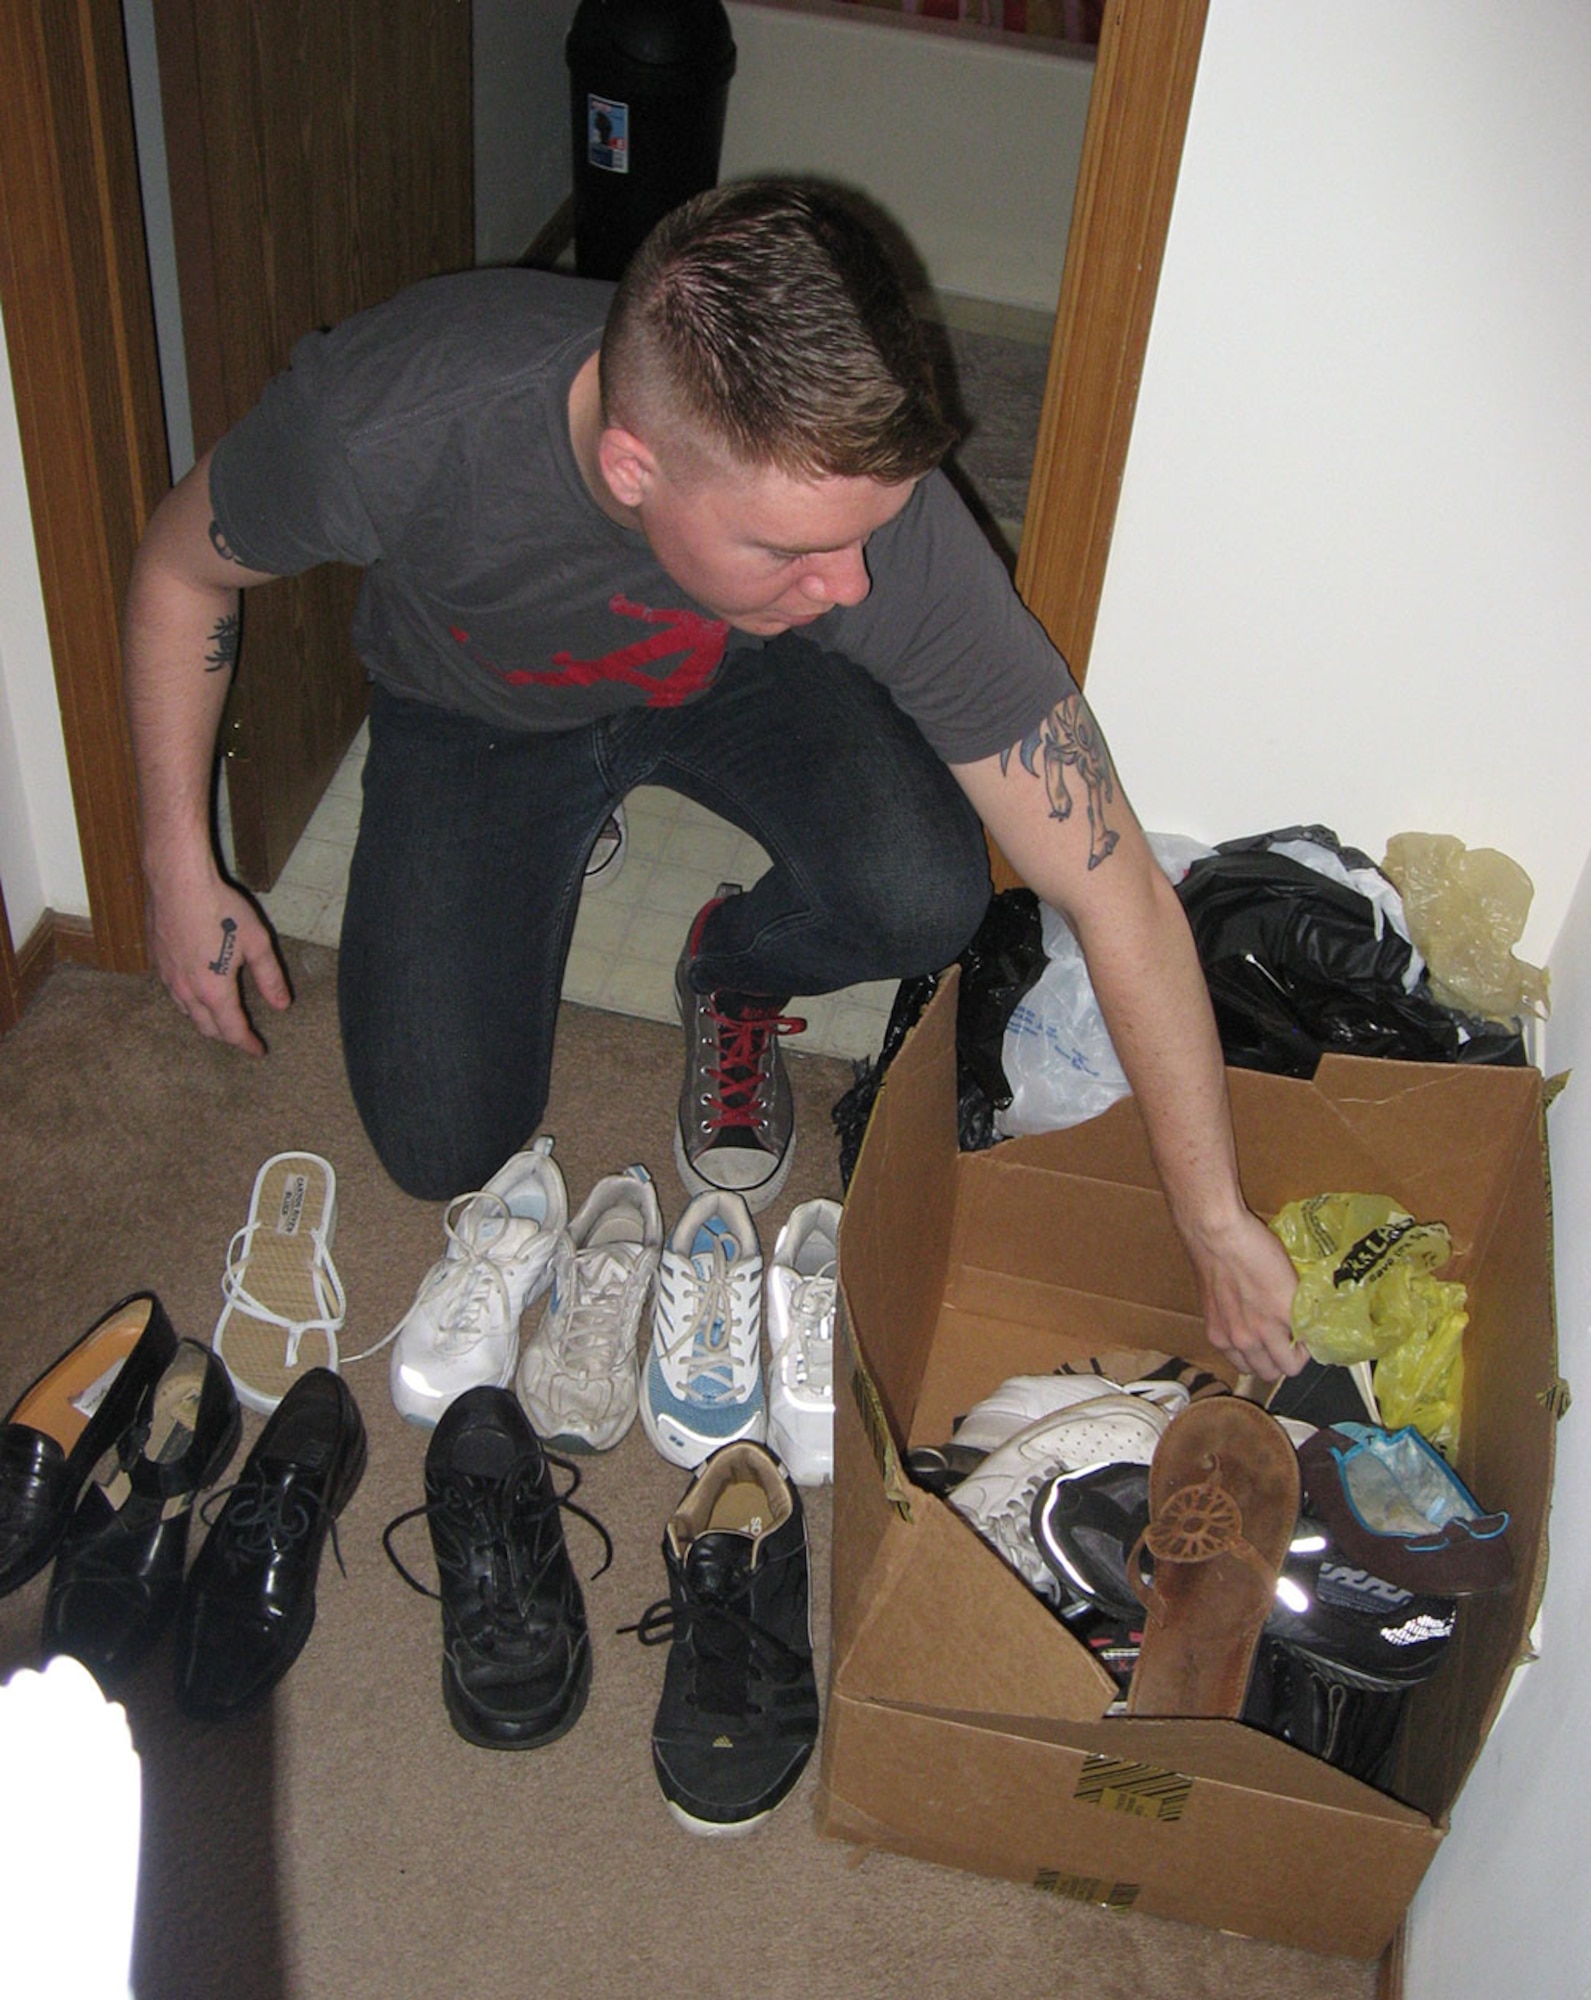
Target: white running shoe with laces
<point>1021,1400</point>
<point>462,1332</point>
<point>703,1381</point>
<point>1110,1429</point>
<point>579,1379</point>
<point>800,1305</point>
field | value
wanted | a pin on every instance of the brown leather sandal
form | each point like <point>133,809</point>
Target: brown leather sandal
<point>1223,1509</point>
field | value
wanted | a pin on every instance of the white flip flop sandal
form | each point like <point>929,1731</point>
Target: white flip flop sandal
<point>284,1300</point>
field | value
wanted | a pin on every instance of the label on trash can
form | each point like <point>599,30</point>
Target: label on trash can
<point>608,134</point>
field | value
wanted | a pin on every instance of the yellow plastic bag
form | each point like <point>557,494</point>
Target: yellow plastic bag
<point>1466,909</point>
<point>1367,1292</point>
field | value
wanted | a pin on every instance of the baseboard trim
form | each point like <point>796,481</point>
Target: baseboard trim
<point>54,940</point>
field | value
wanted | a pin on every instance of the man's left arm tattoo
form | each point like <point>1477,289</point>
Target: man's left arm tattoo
<point>1069,736</point>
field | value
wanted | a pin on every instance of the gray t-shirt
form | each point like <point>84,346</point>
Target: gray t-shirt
<point>427,440</point>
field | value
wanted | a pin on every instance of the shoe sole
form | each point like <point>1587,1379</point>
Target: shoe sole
<point>689,1452</point>
<point>425,1418</point>
<point>729,1829</point>
<point>505,1735</point>
<point>715,1829</point>
<point>756,1198</point>
<point>806,1468</point>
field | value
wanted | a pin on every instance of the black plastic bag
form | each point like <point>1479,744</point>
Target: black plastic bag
<point>998,967</point>
<point>1295,967</point>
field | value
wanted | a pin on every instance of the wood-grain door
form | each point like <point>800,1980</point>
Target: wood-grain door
<point>320,156</point>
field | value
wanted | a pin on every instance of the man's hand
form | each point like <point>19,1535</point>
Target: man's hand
<point>201,940</point>
<point>1247,1281</point>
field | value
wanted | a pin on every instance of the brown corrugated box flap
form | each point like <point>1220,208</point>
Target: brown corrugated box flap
<point>916,1594</point>
<point>899,1218</point>
<point>1203,1851</point>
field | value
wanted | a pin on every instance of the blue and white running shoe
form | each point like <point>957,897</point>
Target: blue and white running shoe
<point>703,1386</point>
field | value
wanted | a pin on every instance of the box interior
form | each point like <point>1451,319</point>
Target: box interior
<point>959,1270</point>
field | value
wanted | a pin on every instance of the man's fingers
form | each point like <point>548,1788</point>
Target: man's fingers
<point>222,1020</point>
<point>270,981</point>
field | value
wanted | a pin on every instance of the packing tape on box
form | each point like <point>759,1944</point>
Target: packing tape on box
<point>897,1488</point>
<point>1144,1790</point>
<point>1087,1889</point>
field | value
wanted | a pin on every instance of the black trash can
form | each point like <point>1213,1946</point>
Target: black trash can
<point>649,89</point>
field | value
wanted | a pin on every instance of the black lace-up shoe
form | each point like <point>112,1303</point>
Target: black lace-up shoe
<point>249,1604</point>
<point>739,1711</point>
<point>516,1653</point>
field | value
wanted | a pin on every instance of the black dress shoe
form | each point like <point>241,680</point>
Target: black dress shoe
<point>516,1654</point>
<point>64,1424</point>
<point>249,1604</point>
<point>118,1577</point>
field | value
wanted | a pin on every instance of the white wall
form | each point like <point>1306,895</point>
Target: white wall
<point>1351,582</point>
<point>1350,569</point>
<point>40,861</point>
<point>522,142</point>
<point>970,143</point>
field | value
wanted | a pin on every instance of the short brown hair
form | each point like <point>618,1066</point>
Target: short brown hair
<point>766,316</point>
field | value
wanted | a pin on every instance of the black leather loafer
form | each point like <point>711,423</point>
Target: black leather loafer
<point>117,1580</point>
<point>249,1603</point>
<point>62,1426</point>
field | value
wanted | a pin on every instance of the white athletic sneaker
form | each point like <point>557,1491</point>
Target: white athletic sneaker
<point>997,1498</point>
<point>606,860</point>
<point>578,1376</point>
<point>801,1281</point>
<point>703,1383</point>
<point>1022,1399</point>
<point>462,1331</point>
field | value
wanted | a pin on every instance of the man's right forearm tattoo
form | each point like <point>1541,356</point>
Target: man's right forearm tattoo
<point>223,644</point>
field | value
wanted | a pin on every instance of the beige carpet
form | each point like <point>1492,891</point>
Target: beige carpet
<point>348,1846</point>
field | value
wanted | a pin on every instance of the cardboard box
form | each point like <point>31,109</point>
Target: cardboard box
<point>964,1725</point>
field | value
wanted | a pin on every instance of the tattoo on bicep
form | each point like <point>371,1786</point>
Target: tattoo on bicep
<point>1069,735</point>
<point>223,643</point>
<point>219,543</point>
<point>229,944</point>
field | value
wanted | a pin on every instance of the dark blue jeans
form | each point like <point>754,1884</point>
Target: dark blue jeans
<point>471,854</point>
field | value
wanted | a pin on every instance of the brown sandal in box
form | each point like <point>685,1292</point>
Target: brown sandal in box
<point>1223,1509</point>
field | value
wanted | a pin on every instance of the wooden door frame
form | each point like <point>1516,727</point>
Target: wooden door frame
<point>80,327</point>
<point>79,323</point>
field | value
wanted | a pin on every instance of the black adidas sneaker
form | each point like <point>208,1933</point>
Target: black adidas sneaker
<point>739,1711</point>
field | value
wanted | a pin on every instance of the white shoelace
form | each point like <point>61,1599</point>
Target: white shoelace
<point>475,1270</point>
<point>596,1327</point>
<point>706,1345</point>
<point>812,1323</point>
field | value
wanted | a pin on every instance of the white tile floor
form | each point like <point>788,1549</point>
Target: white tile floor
<point>629,931</point>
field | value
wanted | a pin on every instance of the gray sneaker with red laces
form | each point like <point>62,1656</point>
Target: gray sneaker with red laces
<point>736,1129</point>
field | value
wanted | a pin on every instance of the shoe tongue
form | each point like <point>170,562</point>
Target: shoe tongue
<point>715,1563</point>
<point>485,1454</point>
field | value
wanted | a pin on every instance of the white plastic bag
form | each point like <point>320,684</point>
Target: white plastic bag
<point>1057,1053</point>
